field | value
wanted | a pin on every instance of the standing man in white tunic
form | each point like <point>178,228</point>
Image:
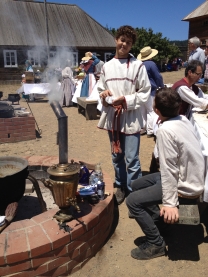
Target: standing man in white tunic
<point>123,86</point>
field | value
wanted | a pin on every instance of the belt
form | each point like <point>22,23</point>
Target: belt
<point>187,196</point>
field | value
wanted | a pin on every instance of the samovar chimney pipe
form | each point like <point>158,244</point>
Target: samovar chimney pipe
<point>62,131</point>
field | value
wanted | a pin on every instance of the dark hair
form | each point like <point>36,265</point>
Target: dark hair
<point>168,102</point>
<point>128,31</point>
<point>192,65</point>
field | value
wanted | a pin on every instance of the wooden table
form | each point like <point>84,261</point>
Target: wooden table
<point>88,106</point>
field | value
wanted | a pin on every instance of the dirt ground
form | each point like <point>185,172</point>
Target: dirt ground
<point>187,249</point>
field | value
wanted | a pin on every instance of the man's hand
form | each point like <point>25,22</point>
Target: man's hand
<point>105,93</point>
<point>118,101</point>
<point>170,214</point>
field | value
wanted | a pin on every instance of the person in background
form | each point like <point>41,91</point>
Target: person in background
<point>88,64</point>
<point>196,52</point>
<point>67,85</point>
<point>123,86</point>
<point>191,94</point>
<point>28,65</point>
<point>180,180</point>
<point>98,68</point>
<point>156,81</point>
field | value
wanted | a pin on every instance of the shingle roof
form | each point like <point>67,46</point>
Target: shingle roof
<point>202,10</point>
<point>23,24</point>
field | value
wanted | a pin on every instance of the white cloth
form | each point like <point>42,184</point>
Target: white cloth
<point>96,96</point>
<point>148,115</point>
<point>78,86</point>
<point>42,88</point>
<point>200,124</point>
<point>198,101</point>
<point>131,81</point>
<point>181,160</point>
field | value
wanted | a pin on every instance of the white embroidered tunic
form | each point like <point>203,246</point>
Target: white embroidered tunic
<point>128,78</point>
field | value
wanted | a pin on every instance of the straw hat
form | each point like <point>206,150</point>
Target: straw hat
<point>87,56</point>
<point>147,53</point>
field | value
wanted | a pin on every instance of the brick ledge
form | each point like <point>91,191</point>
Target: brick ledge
<point>34,246</point>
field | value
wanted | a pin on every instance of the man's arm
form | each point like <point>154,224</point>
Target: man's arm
<point>168,156</point>
<point>143,89</point>
<point>190,97</point>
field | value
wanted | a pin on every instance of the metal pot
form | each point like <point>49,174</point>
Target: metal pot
<point>14,97</point>
<point>6,110</point>
<point>63,182</point>
<point>13,173</point>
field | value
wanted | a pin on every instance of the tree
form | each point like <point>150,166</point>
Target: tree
<point>145,37</point>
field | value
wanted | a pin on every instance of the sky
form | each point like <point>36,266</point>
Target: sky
<point>162,16</point>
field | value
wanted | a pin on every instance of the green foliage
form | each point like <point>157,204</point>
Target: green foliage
<point>166,49</point>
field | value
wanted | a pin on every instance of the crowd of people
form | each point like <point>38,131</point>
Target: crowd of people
<point>135,101</point>
<point>132,90</point>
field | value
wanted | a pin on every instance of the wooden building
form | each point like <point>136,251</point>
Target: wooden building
<point>71,33</point>
<point>198,24</point>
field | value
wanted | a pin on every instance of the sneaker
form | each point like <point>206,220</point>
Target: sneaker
<point>120,195</point>
<point>147,251</point>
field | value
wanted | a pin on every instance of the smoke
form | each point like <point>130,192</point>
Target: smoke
<point>25,29</point>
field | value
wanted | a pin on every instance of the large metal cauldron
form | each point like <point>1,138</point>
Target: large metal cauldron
<point>13,173</point>
<point>14,97</point>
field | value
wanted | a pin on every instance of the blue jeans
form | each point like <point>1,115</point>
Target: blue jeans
<point>126,164</point>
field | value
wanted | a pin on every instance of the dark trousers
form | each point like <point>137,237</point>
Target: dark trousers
<point>143,205</point>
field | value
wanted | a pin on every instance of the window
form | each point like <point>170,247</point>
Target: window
<point>34,57</point>
<point>10,58</point>
<point>53,58</point>
<point>74,59</point>
<point>107,56</point>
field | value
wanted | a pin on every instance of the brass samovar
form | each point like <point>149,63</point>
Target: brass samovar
<point>63,177</point>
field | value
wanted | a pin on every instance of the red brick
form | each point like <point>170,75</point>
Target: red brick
<point>57,262</point>
<point>14,226</point>
<point>3,127</point>
<point>90,220</point>
<point>38,241</point>
<point>77,231</point>
<point>100,210</point>
<point>45,216</point>
<point>88,235</point>
<point>18,267</point>
<point>73,245</point>
<point>84,262</point>
<point>75,269</point>
<point>60,271</point>
<point>58,237</point>
<point>17,248</point>
<point>3,134</point>
<point>72,264</point>
<point>83,255</point>
<point>84,247</point>
<point>61,252</point>
<point>3,241</point>
<point>32,272</point>
<point>27,223</point>
<point>74,253</point>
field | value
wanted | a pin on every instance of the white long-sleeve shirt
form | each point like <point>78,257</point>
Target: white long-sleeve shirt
<point>131,81</point>
<point>197,101</point>
<point>181,160</point>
